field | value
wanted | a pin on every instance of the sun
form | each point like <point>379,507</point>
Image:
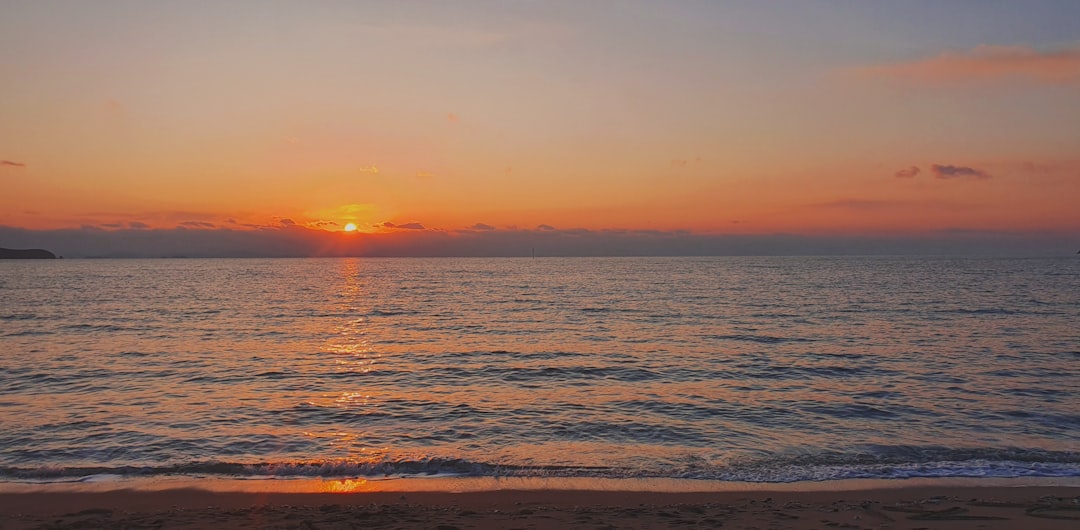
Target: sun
<point>350,227</point>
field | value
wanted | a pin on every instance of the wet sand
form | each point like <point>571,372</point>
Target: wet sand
<point>1049,507</point>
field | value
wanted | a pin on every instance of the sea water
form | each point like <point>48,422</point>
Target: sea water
<point>772,369</point>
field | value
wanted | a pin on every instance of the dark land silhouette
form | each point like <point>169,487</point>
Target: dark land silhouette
<point>30,253</point>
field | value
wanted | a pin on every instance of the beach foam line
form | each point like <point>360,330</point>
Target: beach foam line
<point>872,462</point>
<point>462,484</point>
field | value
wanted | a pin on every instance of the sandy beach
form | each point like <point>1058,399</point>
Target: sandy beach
<point>1049,507</point>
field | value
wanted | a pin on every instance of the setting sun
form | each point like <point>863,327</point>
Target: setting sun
<point>350,227</point>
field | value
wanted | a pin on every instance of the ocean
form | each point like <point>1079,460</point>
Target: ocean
<point>755,369</point>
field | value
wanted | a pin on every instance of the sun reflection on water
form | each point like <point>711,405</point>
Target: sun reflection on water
<point>349,339</point>
<point>347,486</point>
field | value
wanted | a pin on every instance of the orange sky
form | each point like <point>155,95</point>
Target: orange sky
<point>734,118</point>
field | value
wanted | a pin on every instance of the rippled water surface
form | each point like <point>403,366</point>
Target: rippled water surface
<point>762,369</point>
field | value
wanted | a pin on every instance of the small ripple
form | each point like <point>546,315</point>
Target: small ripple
<point>763,339</point>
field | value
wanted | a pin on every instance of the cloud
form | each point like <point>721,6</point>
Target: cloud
<point>137,225</point>
<point>855,204</point>
<point>481,226</point>
<point>93,241</point>
<point>12,164</point>
<point>860,204</point>
<point>951,172</point>
<point>285,221</point>
<point>907,173</point>
<point>372,169</point>
<point>1036,167</point>
<point>545,228</point>
<point>114,109</point>
<point>198,224</point>
<point>986,63</point>
<point>406,226</point>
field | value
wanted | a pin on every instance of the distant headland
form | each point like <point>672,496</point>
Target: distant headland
<point>30,253</point>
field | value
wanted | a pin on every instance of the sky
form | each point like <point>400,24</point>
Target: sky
<point>502,121</point>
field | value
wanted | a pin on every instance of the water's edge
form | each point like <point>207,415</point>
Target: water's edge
<point>450,484</point>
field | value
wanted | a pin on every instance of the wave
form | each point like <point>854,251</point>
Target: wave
<point>21,316</point>
<point>899,462</point>
<point>763,339</point>
<point>998,311</point>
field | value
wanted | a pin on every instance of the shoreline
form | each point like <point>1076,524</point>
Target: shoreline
<point>480,484</point>
<point>972,503</point>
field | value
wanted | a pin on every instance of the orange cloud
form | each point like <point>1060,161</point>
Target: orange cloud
<point>985,63</point>
<point>407,226</point>
<point>12,164</point>
<point>113,109</point>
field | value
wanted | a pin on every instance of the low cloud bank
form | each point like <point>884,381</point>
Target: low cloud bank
<point>296,241</point>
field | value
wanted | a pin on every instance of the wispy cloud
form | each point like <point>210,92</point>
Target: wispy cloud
<point>944,171</point>
<point>545,228</point>
<point>137,225</point>
<point>865,205</point>
<point>114,109</point>
<point>683,162</point>
<point>985,63</point>
<point>859,204</point>
<point>407,226</point>
<point>372,169</point>
<point>482,227</point>
<point>11,164</point>
<point>907,173</point>
<point>1036,167</point>
<point>198,224</point>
